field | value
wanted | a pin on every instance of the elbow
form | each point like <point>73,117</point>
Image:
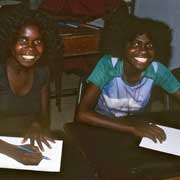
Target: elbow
<point>81,116</point>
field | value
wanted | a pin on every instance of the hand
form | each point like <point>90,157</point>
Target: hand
<point>149,130</point>
<point>39,135</point>
<point>27,158</point>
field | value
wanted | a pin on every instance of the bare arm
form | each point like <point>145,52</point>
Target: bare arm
<point>86,114</point>
<point>20,155</point>
<point>176,95</point>
<point>39,131</point>
<point>45,106</point>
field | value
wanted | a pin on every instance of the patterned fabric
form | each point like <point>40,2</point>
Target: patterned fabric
<point>118,98</point>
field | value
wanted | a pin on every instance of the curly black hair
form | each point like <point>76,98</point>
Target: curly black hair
<point>14,17</point>
<point>123,28</point>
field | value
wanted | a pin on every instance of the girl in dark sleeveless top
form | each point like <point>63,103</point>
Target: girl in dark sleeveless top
<point>27,39</point>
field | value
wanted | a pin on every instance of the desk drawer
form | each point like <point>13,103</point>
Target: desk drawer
<point>81,44</point>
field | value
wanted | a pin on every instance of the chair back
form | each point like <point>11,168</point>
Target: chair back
<point>173,105</point>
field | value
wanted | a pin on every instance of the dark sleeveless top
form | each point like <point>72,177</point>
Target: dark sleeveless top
<point>18,112</point>
<point>11,104</point>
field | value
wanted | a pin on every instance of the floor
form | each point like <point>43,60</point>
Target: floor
<point>58,119</point>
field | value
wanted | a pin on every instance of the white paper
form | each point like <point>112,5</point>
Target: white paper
<point>171,145</point>
<point>97,22</point>
<point>52,165</point>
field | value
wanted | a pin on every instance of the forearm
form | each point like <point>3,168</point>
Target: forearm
<point>20,155</point>
<point>130,124</point>
<point>44,120</point>
<point>96,119</point>
<point>41,120</point>
<point>6,148</point>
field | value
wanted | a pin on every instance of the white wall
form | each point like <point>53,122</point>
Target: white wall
<point>169,12</point>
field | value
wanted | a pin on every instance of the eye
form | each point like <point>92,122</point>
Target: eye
<point>22,41</point>
<point>149,46</point>
<point>38,42</point>
<point>135,44</point>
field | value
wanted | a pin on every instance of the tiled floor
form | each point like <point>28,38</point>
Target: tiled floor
<point>58,119</point>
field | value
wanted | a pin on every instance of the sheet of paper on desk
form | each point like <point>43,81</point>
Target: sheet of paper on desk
<point>52,165</point>
<point>171,145</point>
<point>97,23</point>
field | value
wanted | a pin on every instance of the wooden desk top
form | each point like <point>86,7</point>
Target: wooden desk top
<point>73,166</point>
<point>117,155</point>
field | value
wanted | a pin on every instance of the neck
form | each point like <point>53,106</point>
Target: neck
<point>131,74</point>
<point>15,67</point>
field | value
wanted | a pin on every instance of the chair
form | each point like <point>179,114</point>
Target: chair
<point>159,100</point>
<point>173,105</point>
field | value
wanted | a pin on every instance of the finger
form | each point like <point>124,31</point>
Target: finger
<point>158,132</point>
<point>32,142</point>
<point>153,133</point>
<point>150,133</point>
<point>45,141</point>
<point>150,136</point>
<point>40,144</point>
<point>50,139</point>
<point>143,132</point>
<point>33,158</point>
<point>25,138</point>
<point>162,133</point>
<point>34,148</point>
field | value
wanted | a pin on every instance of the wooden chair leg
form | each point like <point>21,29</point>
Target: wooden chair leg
<point>58,90</point>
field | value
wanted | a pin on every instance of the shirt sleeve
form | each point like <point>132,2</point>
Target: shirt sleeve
<point>166,79</point>
<point>100,74</point>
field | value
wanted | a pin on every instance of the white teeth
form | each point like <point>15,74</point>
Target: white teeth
<point>143,60</point>
<point>28,57</point>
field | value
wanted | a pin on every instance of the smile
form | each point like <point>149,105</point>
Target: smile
<point>28,58</point>
<point>140,59</point>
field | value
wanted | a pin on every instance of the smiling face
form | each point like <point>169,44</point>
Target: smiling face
<point>140,52</point>
<point>28,46</point>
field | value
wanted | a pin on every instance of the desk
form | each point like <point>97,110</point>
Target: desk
<point>116,156</point>
<point>74,167</point>
<point>80,54</point>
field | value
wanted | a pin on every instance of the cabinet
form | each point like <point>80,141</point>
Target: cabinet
<point>81,51</point>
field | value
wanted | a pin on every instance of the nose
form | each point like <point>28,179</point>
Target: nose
<point>143,49</point>
<point>30,46</point>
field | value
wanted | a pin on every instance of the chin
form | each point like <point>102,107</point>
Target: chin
<point>142,68</point>
<point>28,65</point>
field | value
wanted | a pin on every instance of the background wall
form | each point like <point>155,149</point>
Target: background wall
<point>169,12</point>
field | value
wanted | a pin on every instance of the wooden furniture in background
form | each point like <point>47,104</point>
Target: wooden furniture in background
<point>80,54</point>
<point>81,50</point>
